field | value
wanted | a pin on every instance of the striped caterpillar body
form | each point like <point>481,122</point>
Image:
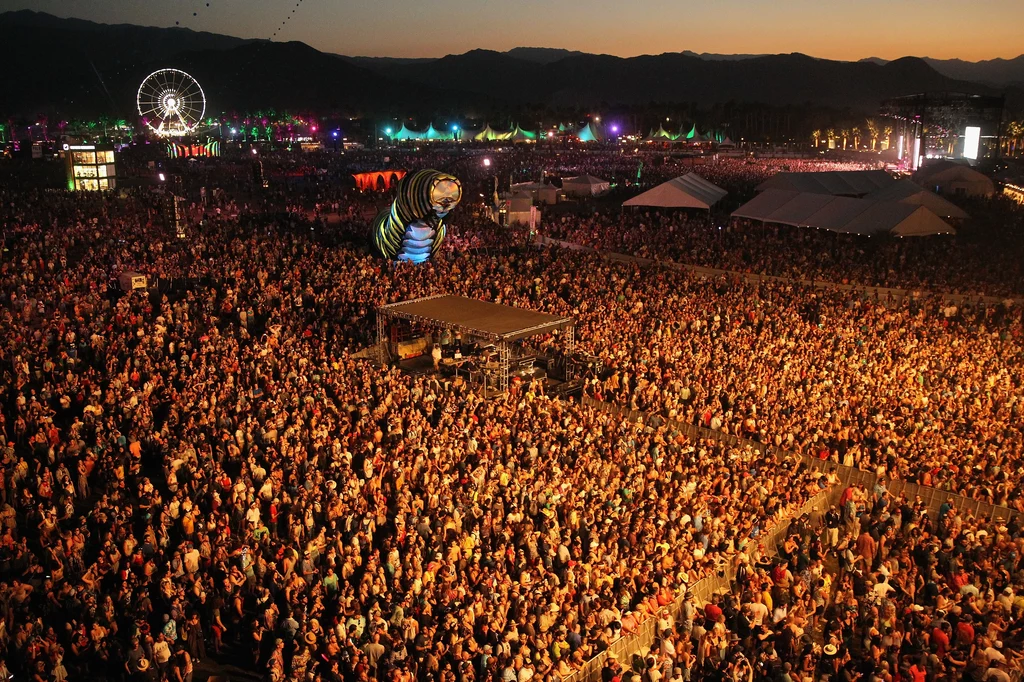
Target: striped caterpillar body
<point>413,227</point>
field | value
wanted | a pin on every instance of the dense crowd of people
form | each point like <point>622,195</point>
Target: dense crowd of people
<point>875,589</point>
<point>975,264</point>
<point>205,472</point>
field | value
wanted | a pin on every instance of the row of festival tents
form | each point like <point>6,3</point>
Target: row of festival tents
<point>485,134</point>
<point>692,136</point>
<point>587,133</point>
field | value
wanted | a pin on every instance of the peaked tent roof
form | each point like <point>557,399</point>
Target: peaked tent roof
<point>435,134</point>
<point>660,134</point>
<point>499,135</point>
<point>908,192</point>
<point>588,134</point>
<point>407,134</point>
<point>520,135</point>
<point>842,214</point>
<point>951,176</point>
<point>585,179</point>
<point>837,183</point>
<point>585,185</point>
<point>726,142</point>
<point>764,204</point>
<point>921,223</point>
<point>686,191</point>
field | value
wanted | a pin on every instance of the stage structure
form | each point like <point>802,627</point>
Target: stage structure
<point>490,323</point>
<point>947,125</point>
<point>176,150</point>
<point>374,180</point>
<point>413,227</point>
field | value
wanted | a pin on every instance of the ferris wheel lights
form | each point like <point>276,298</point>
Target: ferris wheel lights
<point>171,103</point>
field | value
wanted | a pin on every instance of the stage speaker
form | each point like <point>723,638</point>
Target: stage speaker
<point>259,180</point>
<point>175,214</point>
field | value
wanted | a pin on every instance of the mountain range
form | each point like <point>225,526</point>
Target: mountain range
<point>73,67</point>
<point>996,72</point>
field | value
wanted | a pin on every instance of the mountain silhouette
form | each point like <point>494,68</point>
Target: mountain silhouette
<point>71,67</point>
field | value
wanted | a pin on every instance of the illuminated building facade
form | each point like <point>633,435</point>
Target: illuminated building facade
<point>90,167</point>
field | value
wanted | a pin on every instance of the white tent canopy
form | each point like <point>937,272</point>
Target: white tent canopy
<point>842,214</point>
<point>950,177</point>
<point>839,183</point>
<point>585,186</point>
<point>908,192</point>
<point>686,191</point>
<point>547,194</point>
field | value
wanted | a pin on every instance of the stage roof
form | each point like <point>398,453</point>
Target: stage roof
<point>489,320</point>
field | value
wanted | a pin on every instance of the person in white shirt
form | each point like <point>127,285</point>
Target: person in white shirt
<point>252,515</point>
<point>758,612</point>
<point>883,588</point>
<point>161,652</point>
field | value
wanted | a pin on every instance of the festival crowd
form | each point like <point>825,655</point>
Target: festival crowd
<point>205,473</point>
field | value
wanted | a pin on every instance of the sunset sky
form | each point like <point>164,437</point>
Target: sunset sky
<point>980,29</point>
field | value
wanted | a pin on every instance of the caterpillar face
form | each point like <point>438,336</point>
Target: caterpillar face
<point>413,227</point>
<point>445,194</point>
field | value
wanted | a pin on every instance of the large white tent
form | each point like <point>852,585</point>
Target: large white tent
<point>545,194</point>
<point>847,215</point>
<point>686,191</point>
<point>950,177</point>
<point>837,183</point>
<point>909,192</point>
<point>585,186</point>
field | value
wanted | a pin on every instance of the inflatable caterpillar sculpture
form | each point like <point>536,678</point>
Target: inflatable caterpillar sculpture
<point>413,227</point>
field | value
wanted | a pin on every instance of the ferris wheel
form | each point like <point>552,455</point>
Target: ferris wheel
<point>171,103</point>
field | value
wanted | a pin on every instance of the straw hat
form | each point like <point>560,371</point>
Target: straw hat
<point>310,638</point>
<point>830,650</point>
<point>143,665</point>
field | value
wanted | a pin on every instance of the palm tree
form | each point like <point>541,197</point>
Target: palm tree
<point>873,132</point>
<point>817,137</point>
<point>1014,130</point>
<point>856,137</point>
<point>845,134</point>
<point>887,131</point>
<point>831,135</point>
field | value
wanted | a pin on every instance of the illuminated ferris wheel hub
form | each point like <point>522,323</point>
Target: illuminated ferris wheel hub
<point>171,103</point>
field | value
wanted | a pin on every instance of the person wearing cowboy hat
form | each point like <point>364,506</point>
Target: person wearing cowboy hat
<point>611,668</point>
